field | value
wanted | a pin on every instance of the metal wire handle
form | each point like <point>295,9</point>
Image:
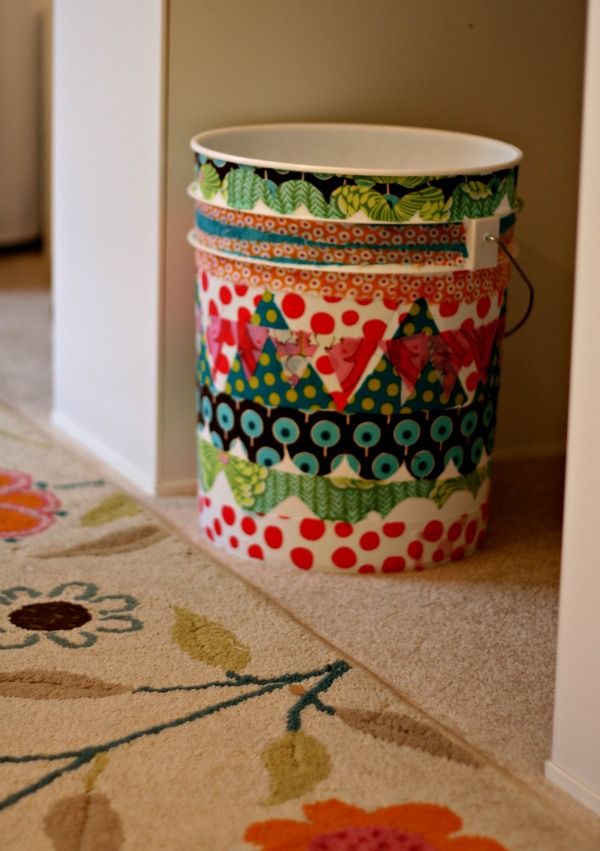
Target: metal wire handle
<point>525,279</point>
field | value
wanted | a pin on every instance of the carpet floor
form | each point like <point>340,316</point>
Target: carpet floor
<point>152,699</point>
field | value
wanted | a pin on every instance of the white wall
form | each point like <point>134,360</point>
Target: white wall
<point>575,763</point>
<point>107,221</point>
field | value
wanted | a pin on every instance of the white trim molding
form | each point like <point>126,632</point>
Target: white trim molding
<point>574,787</point>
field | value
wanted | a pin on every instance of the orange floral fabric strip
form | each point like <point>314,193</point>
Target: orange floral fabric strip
<point>461,285</point>
<point>339,233</point>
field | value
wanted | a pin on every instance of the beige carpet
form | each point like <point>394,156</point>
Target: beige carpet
<point>152,700</point>
<point>25,352</point>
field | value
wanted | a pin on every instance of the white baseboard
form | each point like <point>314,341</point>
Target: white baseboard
<point>588,797</point>
<point>65,426</point>
<point>119,466</point>
<point>177,487</point>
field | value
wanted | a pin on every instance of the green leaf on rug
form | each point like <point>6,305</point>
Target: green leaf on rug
<point>407,732</point>
<point>84,821</point>
<point>100,762</point>
<point>41,684</point>
<point>12,436</point>
<point>296,762</point>
<point>112,508</point>
<point>209,641</point>
<point>122,541</point>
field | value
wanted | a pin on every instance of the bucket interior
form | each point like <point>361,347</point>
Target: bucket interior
<point>358,149</point>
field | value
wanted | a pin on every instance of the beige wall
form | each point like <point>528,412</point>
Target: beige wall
<point>24,119</point>
<point>508,69</point>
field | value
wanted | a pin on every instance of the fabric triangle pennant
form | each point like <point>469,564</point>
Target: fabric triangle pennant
<point>448,352</point>
<point>409,356</point>
<point>220,332</point>
<point>483,341</point>
<point>324,368</point>
<point>221,342</point>
<point>267,313</point>
<point>349,359</point>
<point>473,344</point>
<point>294,350</point>
<point>251,342</point>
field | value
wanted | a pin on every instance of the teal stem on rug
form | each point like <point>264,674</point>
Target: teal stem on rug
<point>340,667</point>
<point>329,674</point>
<point>94,483</point>
<point>311,697</point>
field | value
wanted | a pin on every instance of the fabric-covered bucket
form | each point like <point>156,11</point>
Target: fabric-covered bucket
<point>350,311</point>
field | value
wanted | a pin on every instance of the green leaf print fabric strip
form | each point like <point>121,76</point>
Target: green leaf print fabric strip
<point>262,489</point>
<point>378,198</point>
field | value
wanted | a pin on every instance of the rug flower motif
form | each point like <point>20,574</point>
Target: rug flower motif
<point>25,509</point>
<point>336,826</point>
<point>66,608</point>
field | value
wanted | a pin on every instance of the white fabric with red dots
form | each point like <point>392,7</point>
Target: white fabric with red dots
<point>414,535</point>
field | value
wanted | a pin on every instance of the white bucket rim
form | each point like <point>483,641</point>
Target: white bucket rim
<point>427,143</point>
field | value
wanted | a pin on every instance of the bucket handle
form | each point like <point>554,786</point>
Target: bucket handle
<point>524,277</point>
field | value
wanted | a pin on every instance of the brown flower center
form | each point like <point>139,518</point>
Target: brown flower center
<point>50,616</point>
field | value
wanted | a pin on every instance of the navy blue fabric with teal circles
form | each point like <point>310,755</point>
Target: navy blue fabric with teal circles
<point>374,446</point>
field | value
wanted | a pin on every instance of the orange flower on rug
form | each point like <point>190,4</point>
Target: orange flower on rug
<point>335,826</point>
<point>24,508</point>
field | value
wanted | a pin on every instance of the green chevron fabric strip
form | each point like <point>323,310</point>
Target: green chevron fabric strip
<point>262,489</point>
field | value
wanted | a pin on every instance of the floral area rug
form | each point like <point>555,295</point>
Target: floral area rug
<point>151,700</point>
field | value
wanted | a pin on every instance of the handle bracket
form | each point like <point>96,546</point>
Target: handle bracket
<point>524,277</point>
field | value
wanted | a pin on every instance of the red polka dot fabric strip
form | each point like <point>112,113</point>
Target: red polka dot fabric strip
<point>219,296</point>
<point>412,538</point>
